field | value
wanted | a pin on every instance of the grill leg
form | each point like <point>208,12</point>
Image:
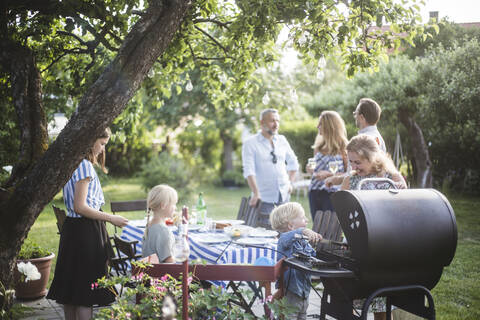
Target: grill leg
<point>409,298</point>
<point>338,307</point>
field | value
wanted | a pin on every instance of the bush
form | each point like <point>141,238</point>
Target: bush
<point>166,169</point>
<point>234,177</point>
<point>161,298</point>
<point>301,136</point>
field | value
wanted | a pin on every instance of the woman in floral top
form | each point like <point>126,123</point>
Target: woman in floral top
<point>368,161</point>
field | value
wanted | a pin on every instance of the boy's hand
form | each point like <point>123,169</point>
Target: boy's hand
<point>313,237</point>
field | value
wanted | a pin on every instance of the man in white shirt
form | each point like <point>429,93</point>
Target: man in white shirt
<point>269,165</point>
<point>366,117</point>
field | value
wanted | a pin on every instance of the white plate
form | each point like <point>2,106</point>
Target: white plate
<point>232,222</point>
<point>255,241</point>
<point>195,227</point>
<point>263,233</point>
<point>213,238</point>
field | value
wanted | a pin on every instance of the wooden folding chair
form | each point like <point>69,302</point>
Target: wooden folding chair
<point>243,209</point>
<point>61,215</point>
<point>127,206</point>
<point>252,214</point>
<point>126,252</point>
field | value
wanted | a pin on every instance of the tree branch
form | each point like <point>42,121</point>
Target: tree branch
<point>213,39</point>
<point>217,22</point>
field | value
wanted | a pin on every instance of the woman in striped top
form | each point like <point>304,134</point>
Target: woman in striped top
<point>329,147</point>
<point>82,253</point>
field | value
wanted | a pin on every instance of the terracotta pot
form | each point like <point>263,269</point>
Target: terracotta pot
<point>34,288</point>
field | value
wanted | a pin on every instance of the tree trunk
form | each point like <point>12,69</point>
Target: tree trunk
<point>102,103</point>
<point>422,166</point>
<point>227,139</point>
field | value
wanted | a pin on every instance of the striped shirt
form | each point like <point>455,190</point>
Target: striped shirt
<point>322,161</point>
<point>95,197</point>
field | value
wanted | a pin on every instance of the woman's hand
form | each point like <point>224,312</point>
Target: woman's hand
<point>399,181</point>
<point>322,174</point>
<point>118,221</point>
<point>313,237</point>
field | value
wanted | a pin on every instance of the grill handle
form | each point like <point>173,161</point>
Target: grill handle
<point>360,184</point>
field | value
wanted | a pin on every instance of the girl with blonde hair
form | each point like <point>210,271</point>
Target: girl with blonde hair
<point>158,239</point>
<point>329,147</point>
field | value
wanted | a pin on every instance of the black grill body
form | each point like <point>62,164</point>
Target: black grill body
<point>397,239</point>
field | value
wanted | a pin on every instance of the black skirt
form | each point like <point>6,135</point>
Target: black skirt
<point>82,259</point>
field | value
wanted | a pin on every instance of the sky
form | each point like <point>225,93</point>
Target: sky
<point>456,10</point>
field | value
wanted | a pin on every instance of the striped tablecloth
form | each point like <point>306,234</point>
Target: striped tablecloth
<point>220,253</point>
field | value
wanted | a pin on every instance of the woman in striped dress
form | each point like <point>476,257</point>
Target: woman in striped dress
<point>82,253</point>
<point>329,147</point>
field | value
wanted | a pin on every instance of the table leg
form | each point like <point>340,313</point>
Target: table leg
<point>268,292</point>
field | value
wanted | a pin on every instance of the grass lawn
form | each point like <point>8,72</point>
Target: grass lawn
<point>457,296</point>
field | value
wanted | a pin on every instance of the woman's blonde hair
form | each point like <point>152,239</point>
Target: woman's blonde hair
<point>284,213</point>
<point>332,138</point>
<point>367,148</point>
<point>100,160</point>
<point>161,194</point>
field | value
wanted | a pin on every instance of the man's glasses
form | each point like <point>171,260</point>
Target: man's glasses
<point>274,156</point>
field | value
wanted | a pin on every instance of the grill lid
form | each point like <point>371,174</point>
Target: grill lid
<point>397,228</point>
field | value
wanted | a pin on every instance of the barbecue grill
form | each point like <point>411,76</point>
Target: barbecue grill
<point>399,241</point>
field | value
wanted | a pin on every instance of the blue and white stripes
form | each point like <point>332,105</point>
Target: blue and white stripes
<point>212,253</point>
<point>95,198</point>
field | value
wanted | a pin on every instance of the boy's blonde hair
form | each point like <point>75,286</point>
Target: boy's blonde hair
<point>161,194</point>
<point>284,213</point>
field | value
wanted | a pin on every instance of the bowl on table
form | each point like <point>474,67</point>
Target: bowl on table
<point>238,231</point>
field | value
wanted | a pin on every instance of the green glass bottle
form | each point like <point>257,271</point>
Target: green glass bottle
<point>201,208</point>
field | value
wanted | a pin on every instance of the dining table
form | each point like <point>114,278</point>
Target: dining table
<point>216,246</point>
<point>227,261</point>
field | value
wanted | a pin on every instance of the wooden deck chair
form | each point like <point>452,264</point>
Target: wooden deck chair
<point>326,223</point>
<point>61,215</point>
<point>243,209</point>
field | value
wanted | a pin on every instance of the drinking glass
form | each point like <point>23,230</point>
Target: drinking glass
<point>311,164</point>
<point>210,225</point>
<point>181,249</point>
<point>333,166</point>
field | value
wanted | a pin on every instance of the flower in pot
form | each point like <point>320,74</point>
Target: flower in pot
<point>32,271</point>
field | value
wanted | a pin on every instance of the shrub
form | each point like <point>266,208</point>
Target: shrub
<point>166,169</point>
<point>161,298</point>
<point>32,250</point>
<point>301,136</point>
<point>233,176</point>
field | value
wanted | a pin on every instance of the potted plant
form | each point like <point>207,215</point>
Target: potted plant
<point>32,271</point>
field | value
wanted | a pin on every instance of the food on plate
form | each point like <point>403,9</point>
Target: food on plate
<point>220,225</point>
<point>238,231</point>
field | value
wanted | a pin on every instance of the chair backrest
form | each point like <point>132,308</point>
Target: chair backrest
<point>124,247</point>
<point>61,215</point>
<point>326,223</point>
<point>132,205</point>
<point>243,209</point>
<point>252,214</point>
<point>125,206</point>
